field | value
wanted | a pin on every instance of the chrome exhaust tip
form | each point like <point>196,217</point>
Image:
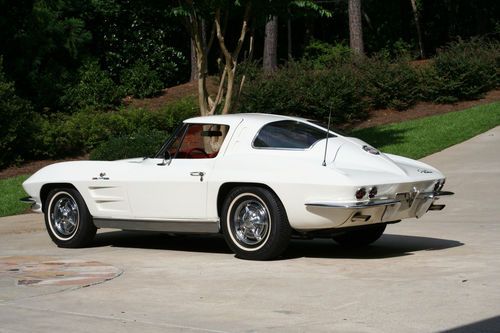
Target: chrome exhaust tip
<point>360,217</point>
<point>436,207</point>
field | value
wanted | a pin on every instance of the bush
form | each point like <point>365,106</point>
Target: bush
<point>390,84</point>
<point>322,54</point>
<point>299,90</point>
<point>140,144</point>
<point>140,81</point>
<point>94,90</point>
<point>464,70</point>
<point>16,122</point>
<point>66,135</point>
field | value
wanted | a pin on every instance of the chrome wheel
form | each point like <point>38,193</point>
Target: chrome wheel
<point>64,216</point>
<point>251,221</point>
<point>254,223</point>
<point>68,219</point>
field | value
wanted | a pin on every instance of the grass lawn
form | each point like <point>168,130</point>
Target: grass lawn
<point>421,137</point>
<point>413,138</point>
<point>10,193</point>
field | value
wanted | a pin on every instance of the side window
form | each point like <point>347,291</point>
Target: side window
<point>199,141</point>
<point>288,134</point>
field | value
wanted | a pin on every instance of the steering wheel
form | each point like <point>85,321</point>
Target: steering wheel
<point>192,150</point>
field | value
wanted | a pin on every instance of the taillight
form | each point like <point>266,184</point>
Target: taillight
<point>373,192</point>
<point>360,193</point>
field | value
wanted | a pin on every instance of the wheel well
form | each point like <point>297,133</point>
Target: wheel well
<point>44,192</point>
<point>227,187</point>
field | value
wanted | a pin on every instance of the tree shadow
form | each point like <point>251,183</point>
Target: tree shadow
<point>386,247</point>
<point>380,137</point>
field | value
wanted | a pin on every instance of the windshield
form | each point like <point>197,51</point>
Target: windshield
<point>178,131</point>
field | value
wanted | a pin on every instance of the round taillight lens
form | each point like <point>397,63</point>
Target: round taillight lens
<point>373,192</point>
<point>360,193</point>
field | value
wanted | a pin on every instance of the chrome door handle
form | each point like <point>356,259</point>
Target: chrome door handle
<point>198,174</point>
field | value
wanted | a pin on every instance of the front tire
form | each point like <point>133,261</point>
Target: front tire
<point>67,219</point>
<point>361,237</point>
<point>255,224</point>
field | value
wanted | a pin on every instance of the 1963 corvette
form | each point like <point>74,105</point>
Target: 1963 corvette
<point>258,179</point>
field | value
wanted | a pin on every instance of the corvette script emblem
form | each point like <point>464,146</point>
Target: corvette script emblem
<point>102,176</point>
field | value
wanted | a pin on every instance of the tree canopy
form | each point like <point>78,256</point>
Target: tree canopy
<point>46,45</point>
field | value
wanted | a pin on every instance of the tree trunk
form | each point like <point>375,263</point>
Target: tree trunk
<point>417,24</point>
<point>355,27</point>
<point>196,26</point>
<point>194,65</point>
<point>231,60</point>
<point>289,34</point>
<point>271,45</point>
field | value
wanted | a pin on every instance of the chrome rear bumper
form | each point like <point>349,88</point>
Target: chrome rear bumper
<point>383,210</point>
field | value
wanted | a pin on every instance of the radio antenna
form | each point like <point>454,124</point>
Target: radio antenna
<point>327,135</point>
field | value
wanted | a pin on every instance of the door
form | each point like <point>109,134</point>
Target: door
<point>176,188</point>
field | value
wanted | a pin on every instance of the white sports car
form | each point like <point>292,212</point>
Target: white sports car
<point>258,179</point>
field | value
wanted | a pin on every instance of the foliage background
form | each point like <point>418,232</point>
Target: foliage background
<point>67,65</point>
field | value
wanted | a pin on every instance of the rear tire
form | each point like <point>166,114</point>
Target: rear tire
<point>67,219</point>
<point>360,237</point>
<point>255,224</point>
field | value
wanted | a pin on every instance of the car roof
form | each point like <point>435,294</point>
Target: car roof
<point>231,119</point>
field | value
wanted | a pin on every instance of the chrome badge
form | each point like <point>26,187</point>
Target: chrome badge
<point>424,171</point>
<point>371,150</point>
<point>102,176</point>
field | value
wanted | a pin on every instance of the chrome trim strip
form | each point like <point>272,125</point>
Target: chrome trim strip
<point>354,205</point>
<point>440,193</point>
<point>430,195</point>
<point>159,225</point>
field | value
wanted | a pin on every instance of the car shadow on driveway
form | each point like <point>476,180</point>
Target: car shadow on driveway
<point>162,241</point>
<point>389,245</point>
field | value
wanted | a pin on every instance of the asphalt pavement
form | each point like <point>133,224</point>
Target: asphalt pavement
<point>438,273</point>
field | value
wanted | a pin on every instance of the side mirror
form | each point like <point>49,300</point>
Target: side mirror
<point>166,160</point>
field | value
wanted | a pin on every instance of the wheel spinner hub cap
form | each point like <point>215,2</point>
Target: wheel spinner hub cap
<point>65,216</point>
<point>252,222</point>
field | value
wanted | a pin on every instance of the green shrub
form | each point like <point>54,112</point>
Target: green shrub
<point>322,54</point>
<point>140,81</point>
<point>140,144</point>
<point>94,90</point>
<point>299,90</point>
<point>16,122</point>
<point>390,84</point>
<point>398,50</point>
<point>463,70</point>
<point>65,135</point>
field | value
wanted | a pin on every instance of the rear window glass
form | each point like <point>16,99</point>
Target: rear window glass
<point>288,134</point>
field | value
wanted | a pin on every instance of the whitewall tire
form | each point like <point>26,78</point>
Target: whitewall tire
<point>67,218</point>
<point>254,223</point>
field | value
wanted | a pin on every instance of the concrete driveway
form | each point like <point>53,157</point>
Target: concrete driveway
<point>439,273</point>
